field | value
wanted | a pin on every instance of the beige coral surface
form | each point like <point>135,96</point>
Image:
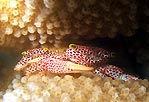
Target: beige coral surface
<point>42,23</point>
<point>49,22</point>
<point>75,88</point>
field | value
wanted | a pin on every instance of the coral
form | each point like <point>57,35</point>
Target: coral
<point>75,88</point>
<point>42,23</point>
<point>49,22</point>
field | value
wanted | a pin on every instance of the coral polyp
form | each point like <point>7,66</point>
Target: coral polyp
<point>58,19</point>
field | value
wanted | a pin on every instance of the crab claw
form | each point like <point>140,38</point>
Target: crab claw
<point>52,65</point>
<point>31,56</point>
<point>76,68</point>
<point>60,66</point>
<point>20,66</point>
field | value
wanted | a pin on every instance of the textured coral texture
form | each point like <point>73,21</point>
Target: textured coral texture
<point>75,88</point>
<point>50,22</point>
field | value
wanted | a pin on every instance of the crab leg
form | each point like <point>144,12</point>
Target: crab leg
<point>99,71</point>
<point>127,77</point>
<point>113,72</point>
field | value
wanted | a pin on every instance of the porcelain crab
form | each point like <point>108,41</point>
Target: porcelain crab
<point>75,59</point>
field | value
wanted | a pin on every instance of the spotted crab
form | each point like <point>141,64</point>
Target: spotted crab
<point>75,59</point>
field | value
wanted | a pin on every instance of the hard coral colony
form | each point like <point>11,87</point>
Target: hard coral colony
<point>75,59</point>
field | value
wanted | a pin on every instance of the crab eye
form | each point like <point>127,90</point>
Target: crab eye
<point>24,53</point>
<point>45,49</point>
<point>72,46</point>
